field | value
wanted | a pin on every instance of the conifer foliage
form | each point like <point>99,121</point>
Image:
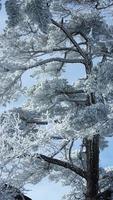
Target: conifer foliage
<point>39,138</point>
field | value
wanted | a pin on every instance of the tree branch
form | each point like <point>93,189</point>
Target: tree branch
<point>64,164</point>
<point>57,59</point>
<point>103,7</point>
<point>87,59</point>
<point>33,121</point>
<point>51,50</point>
<point>70,151</point>
<point>70,38</point>
<point>70,92</point>
<point>60,149</point>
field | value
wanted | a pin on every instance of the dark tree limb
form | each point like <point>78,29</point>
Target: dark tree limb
<point>87,61</point>
<point>70,37</point>
<point>33,121</point>
<point>51,50</point>
<point>49,60</point>
<point>60,149</point>
<point>70,151</point>
<point>64,164</point>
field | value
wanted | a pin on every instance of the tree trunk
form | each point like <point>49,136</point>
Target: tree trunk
<point>92,162</point>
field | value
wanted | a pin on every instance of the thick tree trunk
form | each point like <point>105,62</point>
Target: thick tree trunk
<point>92,161</point>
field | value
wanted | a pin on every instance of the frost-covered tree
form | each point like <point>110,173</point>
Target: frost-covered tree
<point>39,139</point>
<point>8,192</point>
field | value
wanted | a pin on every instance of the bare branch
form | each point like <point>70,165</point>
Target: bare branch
<point>87,58</point>
<point>32,120</point>
<point>57,138</point>
<point>64,164</point>
<point>49,60</point>
<point>61,148</point>
<point>70,150</point>
<point>62,64</point>
<point>70,38</point>
<point>70,92</point>
<point>51,50</point>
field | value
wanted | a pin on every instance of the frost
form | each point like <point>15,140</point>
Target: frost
<point>45,37</point>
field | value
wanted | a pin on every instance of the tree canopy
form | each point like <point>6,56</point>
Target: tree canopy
<point>39,138</point>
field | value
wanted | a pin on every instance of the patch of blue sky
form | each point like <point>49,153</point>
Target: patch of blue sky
<point>46,190</point>
<point>3,16</point>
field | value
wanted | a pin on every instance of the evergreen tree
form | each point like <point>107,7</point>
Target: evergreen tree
<point>39,139</point>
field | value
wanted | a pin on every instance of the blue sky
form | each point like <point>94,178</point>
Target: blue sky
<point>46,189</point>
<point>3,16</point>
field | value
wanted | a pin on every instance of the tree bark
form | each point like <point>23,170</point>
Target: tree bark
<point>92,162</point>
